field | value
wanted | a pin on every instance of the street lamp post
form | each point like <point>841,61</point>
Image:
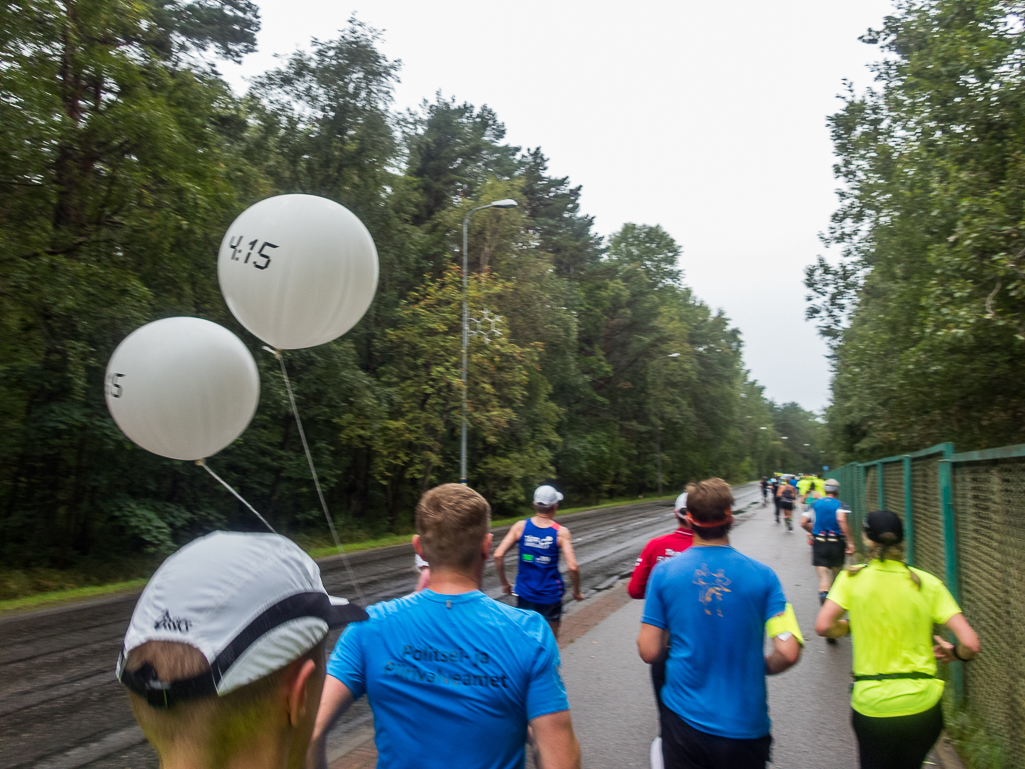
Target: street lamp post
<point>508,203</point>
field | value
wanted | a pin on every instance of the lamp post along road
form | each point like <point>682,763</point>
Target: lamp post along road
<point>508,203</point>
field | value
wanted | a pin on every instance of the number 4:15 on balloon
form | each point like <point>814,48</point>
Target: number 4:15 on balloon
<point>236,247</point>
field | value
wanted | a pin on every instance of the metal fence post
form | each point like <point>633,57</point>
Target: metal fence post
<point>946,478</point>
<point>880,487</point>
<point>909,516</point>
<point>859,511</point>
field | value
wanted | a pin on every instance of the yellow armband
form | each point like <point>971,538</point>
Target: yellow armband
<point>785,623</point>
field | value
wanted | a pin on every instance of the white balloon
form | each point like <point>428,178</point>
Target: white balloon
<point>297,270</point>
<point>183,388</point>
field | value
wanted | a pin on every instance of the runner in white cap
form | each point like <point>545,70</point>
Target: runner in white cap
<point>224,656</point>
<point>539,585</point>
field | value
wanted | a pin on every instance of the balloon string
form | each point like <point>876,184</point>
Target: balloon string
<point>313,471</point>
<point>204,465</point>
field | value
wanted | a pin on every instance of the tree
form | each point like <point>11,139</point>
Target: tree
<point>926,310</point>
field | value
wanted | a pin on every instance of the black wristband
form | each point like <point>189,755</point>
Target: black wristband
<point>959,656</point>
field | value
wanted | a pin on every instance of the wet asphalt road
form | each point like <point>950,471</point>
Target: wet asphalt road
<point>61,708</point>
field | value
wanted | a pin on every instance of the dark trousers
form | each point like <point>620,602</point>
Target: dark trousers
<point>899,742</point>
<point>684,747</point>
<point>658,680</point>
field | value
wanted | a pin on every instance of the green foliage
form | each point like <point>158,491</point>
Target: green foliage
<point>122,160</point>
<point>926,310</point>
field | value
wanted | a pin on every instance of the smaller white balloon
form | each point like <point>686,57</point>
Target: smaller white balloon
<point>182,388</point>
<point>297,270</point>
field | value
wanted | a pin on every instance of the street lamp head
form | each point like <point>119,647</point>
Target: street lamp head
<point>507,203</point>
<point>673,355</point>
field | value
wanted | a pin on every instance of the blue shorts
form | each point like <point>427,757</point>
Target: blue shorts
<point>550,611</point>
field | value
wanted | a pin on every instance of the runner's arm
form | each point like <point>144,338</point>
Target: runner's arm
<point>785,654</point>
<point>829,623</point>
<point>507,541</point>
<point>334,701</point>
<point>639,578</point>
<point>841,516</point>
<point>557,745</point>
<point>566,544</point>
<point>787,641</point>
<point>652,643</point>
<point>806,522</point>
<point>967,641</point>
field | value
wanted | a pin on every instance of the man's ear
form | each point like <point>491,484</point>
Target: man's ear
<point>299,692</point>
<point>486,545</point>
<point>417,547</point>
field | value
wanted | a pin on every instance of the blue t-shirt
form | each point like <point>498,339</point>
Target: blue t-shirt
<point>715,602</point>
<point>825,516</point>
<point>537,573</point>
<point>452,679</point>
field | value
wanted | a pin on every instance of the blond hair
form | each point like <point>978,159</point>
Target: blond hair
<point>887,550</point>
<point>452,521</point>
<point>214,726</point>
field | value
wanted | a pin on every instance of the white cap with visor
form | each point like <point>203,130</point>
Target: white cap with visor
<point>251,603</point>
<point>546,496</point>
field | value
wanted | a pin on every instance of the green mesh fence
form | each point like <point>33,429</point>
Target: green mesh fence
<point>870,499</point>
<point>977,499</point>
<point>893,487</point>
<point>928,519</point>
<point>988,502</point>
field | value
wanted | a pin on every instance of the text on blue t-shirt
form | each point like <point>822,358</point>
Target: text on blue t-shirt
<point>452,679</point>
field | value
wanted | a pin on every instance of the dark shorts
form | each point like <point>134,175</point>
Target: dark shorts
<point>684,747</point>
<point>897,742</point>
<point>550,611</point>
<point>828,553</point>
<point>786,504</point>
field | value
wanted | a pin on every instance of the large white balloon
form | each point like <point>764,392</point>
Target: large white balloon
<point>182,387</point>
<point>297,270</point>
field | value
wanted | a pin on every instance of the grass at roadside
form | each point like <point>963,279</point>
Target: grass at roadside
<point>324,550</point>
<point>316,548</point>
<point>73,594</point>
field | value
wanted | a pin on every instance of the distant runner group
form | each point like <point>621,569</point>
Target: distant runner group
<point>225,658</point>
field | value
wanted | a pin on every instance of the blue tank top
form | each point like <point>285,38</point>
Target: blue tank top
<point>825,516</point>
<point>537,576</point>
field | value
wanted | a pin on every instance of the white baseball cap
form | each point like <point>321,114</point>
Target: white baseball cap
<point>831,485</point>
<point>251,603</point>
<point>681,503</point>
<point>546,496</point>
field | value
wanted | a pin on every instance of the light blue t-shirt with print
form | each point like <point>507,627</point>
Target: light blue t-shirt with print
<point>452,679</point>
<point>715,602</point>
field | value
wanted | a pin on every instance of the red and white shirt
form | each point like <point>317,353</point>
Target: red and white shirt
<point>657,550</point>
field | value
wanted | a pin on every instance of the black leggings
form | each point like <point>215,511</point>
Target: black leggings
<point>898,742</point>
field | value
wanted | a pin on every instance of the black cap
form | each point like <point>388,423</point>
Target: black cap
<point>884,522</point>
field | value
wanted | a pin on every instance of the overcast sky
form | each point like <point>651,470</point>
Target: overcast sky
<point>707,118</point>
